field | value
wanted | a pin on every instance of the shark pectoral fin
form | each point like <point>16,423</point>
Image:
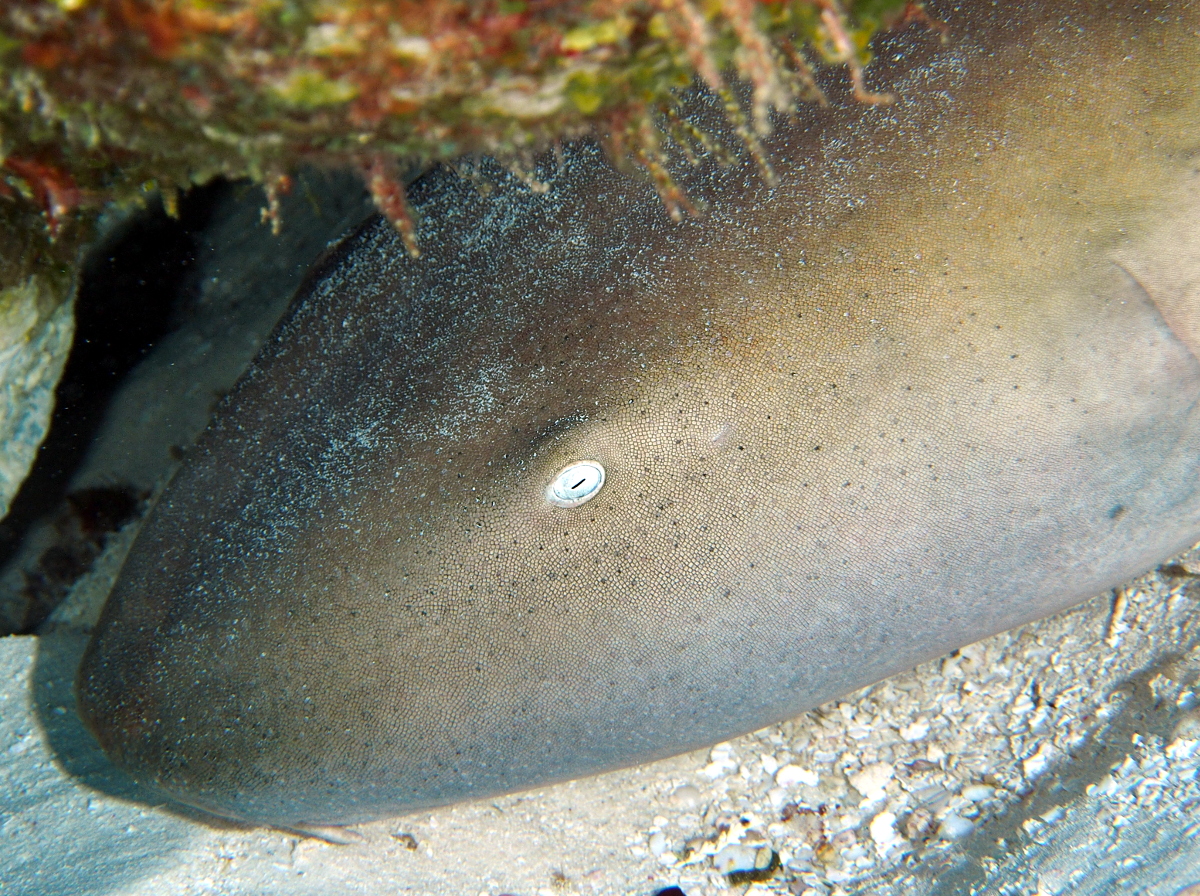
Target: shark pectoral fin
<point>1175,294</point>
<point>1165,267</point>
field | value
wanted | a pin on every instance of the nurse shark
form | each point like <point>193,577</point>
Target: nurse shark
<point>581,488</point>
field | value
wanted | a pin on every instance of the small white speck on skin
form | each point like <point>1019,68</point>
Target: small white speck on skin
<point>722,435</point>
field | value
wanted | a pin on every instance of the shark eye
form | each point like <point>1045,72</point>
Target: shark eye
<point>575,484</point>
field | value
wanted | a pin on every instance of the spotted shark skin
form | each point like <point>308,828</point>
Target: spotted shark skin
<point>939,380</point>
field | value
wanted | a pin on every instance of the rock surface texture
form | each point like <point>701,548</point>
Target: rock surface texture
<point>36,329</point>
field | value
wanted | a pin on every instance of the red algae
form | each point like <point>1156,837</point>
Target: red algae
<point>111,101</point>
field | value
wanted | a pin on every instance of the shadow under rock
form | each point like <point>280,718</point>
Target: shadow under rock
<point>132,289</point>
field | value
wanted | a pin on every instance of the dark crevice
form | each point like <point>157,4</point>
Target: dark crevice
<point>134,289</point>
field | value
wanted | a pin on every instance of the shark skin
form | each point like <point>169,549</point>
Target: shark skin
<point>939,380</point>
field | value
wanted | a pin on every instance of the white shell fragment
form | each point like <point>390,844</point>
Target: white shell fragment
<point>872,781</point>
<point>791,775</point>
<point>738,858</point>
<point>883,832</point>
<point>575,484</point>
<point>955,827</point>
